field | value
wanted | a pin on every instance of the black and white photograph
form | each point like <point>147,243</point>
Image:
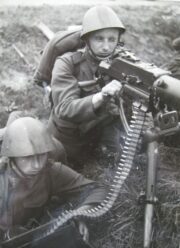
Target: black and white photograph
<point>89,124</point>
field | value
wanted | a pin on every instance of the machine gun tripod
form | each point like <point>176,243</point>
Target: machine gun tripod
<point>164,125</point>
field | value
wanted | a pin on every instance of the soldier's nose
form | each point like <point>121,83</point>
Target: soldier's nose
<point>36,164</point>
<point>105,46</point>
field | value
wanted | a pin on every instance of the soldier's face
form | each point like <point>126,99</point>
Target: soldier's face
<point>103,42</point>
<point>31,165</point>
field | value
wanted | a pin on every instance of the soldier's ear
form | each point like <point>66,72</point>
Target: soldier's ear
<point>121,43</point>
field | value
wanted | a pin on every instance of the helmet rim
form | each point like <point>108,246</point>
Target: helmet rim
<point>24,137</point>
<point>94,20</point>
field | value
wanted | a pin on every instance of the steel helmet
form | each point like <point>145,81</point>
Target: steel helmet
<point>12,117</point>
<point>100,17</point>
<point>26,136</point>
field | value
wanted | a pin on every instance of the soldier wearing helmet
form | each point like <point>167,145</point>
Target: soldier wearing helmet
<point>58,154</point>
<point>28,179</point>
<point>85,117</point>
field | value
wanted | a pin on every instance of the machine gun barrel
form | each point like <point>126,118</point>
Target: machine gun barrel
<point>133,71</point>
<point>141,79</point>
<point>130,90</point>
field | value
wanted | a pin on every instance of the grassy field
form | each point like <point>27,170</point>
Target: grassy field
<point>150,31</point>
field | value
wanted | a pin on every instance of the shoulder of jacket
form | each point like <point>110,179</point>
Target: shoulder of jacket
<point>76,57</point>
<point>53,165</point>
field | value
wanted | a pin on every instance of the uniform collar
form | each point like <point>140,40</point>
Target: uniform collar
<point>91,61</point>
<point>89,57</point>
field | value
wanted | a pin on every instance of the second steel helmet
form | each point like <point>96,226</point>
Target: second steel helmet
<point>100,17</point>
<point>26,136</point>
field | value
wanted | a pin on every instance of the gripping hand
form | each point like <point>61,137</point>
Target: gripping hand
<point>112,89</point>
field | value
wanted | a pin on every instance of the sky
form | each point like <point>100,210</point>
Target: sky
<point>79,2</point>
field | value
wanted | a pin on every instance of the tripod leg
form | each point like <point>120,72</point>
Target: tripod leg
<point>149,209</point>
<point>152,155</point>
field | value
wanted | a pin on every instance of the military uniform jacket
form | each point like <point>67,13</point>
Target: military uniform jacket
<point>73,110</point>
<point>28,198</point>
<point>71,103</point>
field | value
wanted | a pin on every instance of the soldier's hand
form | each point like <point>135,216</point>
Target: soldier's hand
<point>112,89</point>
<point>112,108</point>
<point>82,226</point>
<point>83,230</point>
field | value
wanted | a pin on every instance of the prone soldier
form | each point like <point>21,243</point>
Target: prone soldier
<point>29,179</point>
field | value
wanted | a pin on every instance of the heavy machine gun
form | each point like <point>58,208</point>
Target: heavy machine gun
<point>157,94</point>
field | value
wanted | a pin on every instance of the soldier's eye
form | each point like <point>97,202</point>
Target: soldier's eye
<point>112,39</point>
<point>99,38</point>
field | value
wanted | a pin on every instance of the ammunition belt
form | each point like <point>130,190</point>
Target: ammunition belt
<point>135,128</point>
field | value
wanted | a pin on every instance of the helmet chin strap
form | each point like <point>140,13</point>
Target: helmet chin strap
<point>20,173</point>
<point>17,171</point>
<point>94,56</point>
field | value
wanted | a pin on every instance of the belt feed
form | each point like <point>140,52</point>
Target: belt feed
<point>135,128</point>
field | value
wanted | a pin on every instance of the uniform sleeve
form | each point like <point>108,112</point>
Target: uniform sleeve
<point>66,182</point>
<point>68,104</point>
